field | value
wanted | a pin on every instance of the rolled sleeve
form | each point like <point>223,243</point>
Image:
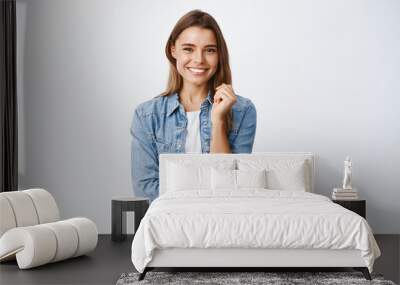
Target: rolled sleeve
<point>144,161</point>
<point>246,132</point>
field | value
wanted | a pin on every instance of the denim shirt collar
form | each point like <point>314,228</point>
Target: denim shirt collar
<point>173,102</point>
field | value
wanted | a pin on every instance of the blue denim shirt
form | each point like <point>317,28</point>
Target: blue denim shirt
<point>159,126</point>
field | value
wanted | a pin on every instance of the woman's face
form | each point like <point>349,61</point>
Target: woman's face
<point>196,55</point>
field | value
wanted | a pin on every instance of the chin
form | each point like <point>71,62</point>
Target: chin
<point>196,82</point>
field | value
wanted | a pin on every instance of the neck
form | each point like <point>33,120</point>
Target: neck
<point>193,94</point>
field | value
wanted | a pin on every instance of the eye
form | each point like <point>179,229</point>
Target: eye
<point>211,50</point>
<point>187,49</point>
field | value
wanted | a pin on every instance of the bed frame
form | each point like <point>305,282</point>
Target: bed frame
<point>242,259</point>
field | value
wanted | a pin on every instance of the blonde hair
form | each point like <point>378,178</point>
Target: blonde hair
<point>198,18</point>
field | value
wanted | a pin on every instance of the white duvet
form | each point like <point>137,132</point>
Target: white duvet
<point>251,218</point>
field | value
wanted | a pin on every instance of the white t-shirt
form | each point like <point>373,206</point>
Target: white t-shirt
<point>193,143</point>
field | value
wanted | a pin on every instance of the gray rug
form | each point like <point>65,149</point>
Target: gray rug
<point>229,278</point>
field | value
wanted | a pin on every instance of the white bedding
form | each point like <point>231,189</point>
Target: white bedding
<point>250,218</point>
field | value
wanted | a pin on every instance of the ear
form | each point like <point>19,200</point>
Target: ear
<point>173,51</point>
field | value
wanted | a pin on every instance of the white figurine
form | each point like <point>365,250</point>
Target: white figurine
<point>347,174</point>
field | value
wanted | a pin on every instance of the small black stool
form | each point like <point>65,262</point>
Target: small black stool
<point>119,206</point>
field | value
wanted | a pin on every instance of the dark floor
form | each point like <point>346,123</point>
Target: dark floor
<point>111,259</point>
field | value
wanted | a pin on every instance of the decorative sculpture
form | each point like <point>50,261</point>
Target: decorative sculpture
<point>347,180</point>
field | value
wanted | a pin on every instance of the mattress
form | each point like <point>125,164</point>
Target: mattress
<point>251,219</point>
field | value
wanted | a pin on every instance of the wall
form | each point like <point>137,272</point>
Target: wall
<point>322,74</point>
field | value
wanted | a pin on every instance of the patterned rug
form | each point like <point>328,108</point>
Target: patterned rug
<point>270,278</point>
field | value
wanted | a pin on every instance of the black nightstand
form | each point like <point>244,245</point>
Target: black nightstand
<point>119,206</point>
<point>357,206</point>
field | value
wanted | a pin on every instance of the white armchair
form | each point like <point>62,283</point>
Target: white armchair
<point>32,233</point>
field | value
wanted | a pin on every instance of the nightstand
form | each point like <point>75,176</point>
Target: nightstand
<point>119,206</point>
<point>357,206</point>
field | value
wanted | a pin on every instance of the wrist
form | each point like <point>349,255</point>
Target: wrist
<point>218,118</point>
<point>218,121</point>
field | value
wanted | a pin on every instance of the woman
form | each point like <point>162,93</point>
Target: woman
<point>199,112</point>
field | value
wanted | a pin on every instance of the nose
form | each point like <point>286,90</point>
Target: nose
<point>198,56</point>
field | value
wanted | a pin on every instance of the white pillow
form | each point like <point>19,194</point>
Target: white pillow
<point>226,179</point>
<point>223,179</point>
<point>282,174</point>
<point>187,175</point>
<point>251,178</point>
<point>183,178</point>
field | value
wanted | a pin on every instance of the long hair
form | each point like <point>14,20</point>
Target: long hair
<point>198,18</point>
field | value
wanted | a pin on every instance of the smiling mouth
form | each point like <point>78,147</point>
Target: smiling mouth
<point>197,71</point>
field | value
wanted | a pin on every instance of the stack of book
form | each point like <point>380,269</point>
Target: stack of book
<point>344,194</point>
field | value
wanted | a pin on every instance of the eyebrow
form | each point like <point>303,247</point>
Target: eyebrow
<point>192,45</point>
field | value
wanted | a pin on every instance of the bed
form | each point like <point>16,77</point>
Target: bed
<point>248,210</point>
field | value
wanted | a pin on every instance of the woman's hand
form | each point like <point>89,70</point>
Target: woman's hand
<point>224,99</point>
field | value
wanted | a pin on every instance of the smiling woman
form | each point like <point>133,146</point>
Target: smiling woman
<point>199,112</point>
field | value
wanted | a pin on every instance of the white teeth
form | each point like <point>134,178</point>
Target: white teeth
<point>197,70</point>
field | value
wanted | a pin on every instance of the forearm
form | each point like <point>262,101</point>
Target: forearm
<point>219,138</point>
<point>148,189</point>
